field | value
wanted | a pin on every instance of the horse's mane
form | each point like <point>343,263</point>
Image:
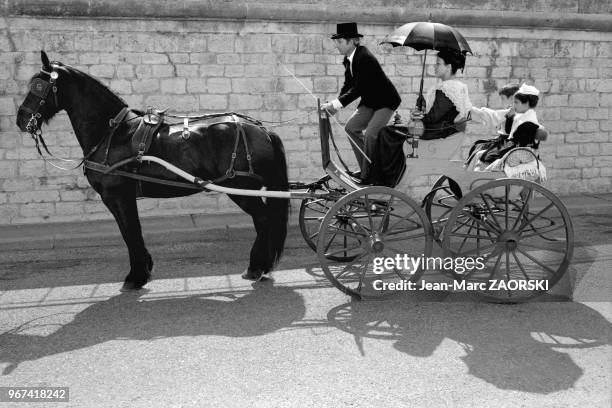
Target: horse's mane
<point>101,89</point>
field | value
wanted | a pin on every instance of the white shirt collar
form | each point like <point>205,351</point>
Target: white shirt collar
<point>350,57</point>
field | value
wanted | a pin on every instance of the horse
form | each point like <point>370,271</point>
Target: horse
<point>104,127</point>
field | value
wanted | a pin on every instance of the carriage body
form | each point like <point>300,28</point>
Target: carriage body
<point>516,229</point>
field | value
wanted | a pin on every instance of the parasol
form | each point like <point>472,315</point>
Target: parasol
<point>427,36</point>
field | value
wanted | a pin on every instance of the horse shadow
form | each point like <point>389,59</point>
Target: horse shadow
<point>515,347</point>
<point>251,313</point>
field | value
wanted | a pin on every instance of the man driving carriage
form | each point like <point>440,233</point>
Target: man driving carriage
<point>363,78</point>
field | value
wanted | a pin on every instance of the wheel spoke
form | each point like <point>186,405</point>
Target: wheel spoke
<point>345,232</point>
<point>362,276</point>
<point>490,211</point>
<point>477,250</point>
<point>529,222</point>
<point>368,209</point>
<point>484,225</point>
<point>465,239</point>
<point>540,232</point>
<point>495,266</point>
<point>330,242</point>
<point>397,232</point>
<point>405,218</point>
<point>347,267</point>
<point>520,265</point>
<point>343,249</point>
<point>508,267</point>
<point>405,238</point>
<point>541,248</point>
<point>385,217</point>
<point>523,210</point>
<point>472,236</point>
<point>314,218</point>
<point>506,215</point>
<point>552,272</point>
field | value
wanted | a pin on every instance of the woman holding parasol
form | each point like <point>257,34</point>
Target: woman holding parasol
<point>443,111</point>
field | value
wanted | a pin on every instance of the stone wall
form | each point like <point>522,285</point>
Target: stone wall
<point>239,57</point>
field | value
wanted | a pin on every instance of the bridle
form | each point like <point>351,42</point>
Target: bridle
<point>40,88</point>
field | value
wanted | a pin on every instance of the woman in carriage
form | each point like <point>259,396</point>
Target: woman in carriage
<point>447,106</point>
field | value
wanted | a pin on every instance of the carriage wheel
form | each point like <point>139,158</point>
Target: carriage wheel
<point>313,210</point>
<point>441,200</point>
<point>502,223</point>
<point>383,223</point>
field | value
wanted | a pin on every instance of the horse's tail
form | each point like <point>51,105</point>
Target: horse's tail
<point>278,208</point>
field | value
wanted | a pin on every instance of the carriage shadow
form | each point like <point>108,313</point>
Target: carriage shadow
<point>519,347</point>
<point>515,347</point>
<point>250,313</point>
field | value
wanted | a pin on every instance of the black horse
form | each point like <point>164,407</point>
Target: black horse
<point>104,128</point>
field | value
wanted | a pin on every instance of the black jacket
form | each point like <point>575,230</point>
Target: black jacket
<point>368,82</point>
<point>439,121</point>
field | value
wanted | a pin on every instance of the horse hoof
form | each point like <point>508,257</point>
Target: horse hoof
<point>130,287</point>
<point>252,275</point>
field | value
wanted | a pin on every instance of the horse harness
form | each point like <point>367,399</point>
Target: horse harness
<point>149,126</point>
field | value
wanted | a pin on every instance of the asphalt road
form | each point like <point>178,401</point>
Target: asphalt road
<point>201,336</point>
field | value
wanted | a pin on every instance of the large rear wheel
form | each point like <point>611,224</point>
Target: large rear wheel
<point>520,231</point>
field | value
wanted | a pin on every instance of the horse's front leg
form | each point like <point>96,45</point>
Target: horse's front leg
<point>124,209</point>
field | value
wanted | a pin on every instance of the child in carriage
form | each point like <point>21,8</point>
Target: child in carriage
<point>519,123</point>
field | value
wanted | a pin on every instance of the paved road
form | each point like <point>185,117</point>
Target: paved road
<point>200,336</point>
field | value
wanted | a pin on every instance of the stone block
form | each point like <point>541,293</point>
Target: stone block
<point>145,85</point>
<point>163,71</point>
<point>208,70</point>
<point>43,210</point>
<point>196,85</point>
<point>121,86</point>
<point>234,70</point>
<point>202,58</point>
<point>598,113</point>
<point>231,59</point>
<point>219,85</point>
<point>253,43</point>
<point>284,44</point>
<point>591,149</point>
<point>173,85</point>
<point>573,114</point>
<point>325,84</point>
<point>125,71</point>
<point>213,102</point>
<point>567,150</point>
<point>583,100</point>
<point>176,103</point>
<point>310,44</point>
<point>187,71</point>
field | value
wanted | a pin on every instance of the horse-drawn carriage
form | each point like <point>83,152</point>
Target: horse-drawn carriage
<point>371,241</point>
<point>520,231</point>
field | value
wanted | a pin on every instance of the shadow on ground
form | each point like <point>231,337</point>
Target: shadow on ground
<point>515,347</point>
<point>249,313</point>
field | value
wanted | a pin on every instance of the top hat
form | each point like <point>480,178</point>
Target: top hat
<point>346,30</point>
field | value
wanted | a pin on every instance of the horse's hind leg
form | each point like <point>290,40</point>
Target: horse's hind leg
<point>261,258</point>
<point>125,211</point>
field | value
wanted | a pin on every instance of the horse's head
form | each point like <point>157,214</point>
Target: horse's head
<point>43,100</point>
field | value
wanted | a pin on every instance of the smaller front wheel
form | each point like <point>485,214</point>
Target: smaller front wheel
<point>382,225</point>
